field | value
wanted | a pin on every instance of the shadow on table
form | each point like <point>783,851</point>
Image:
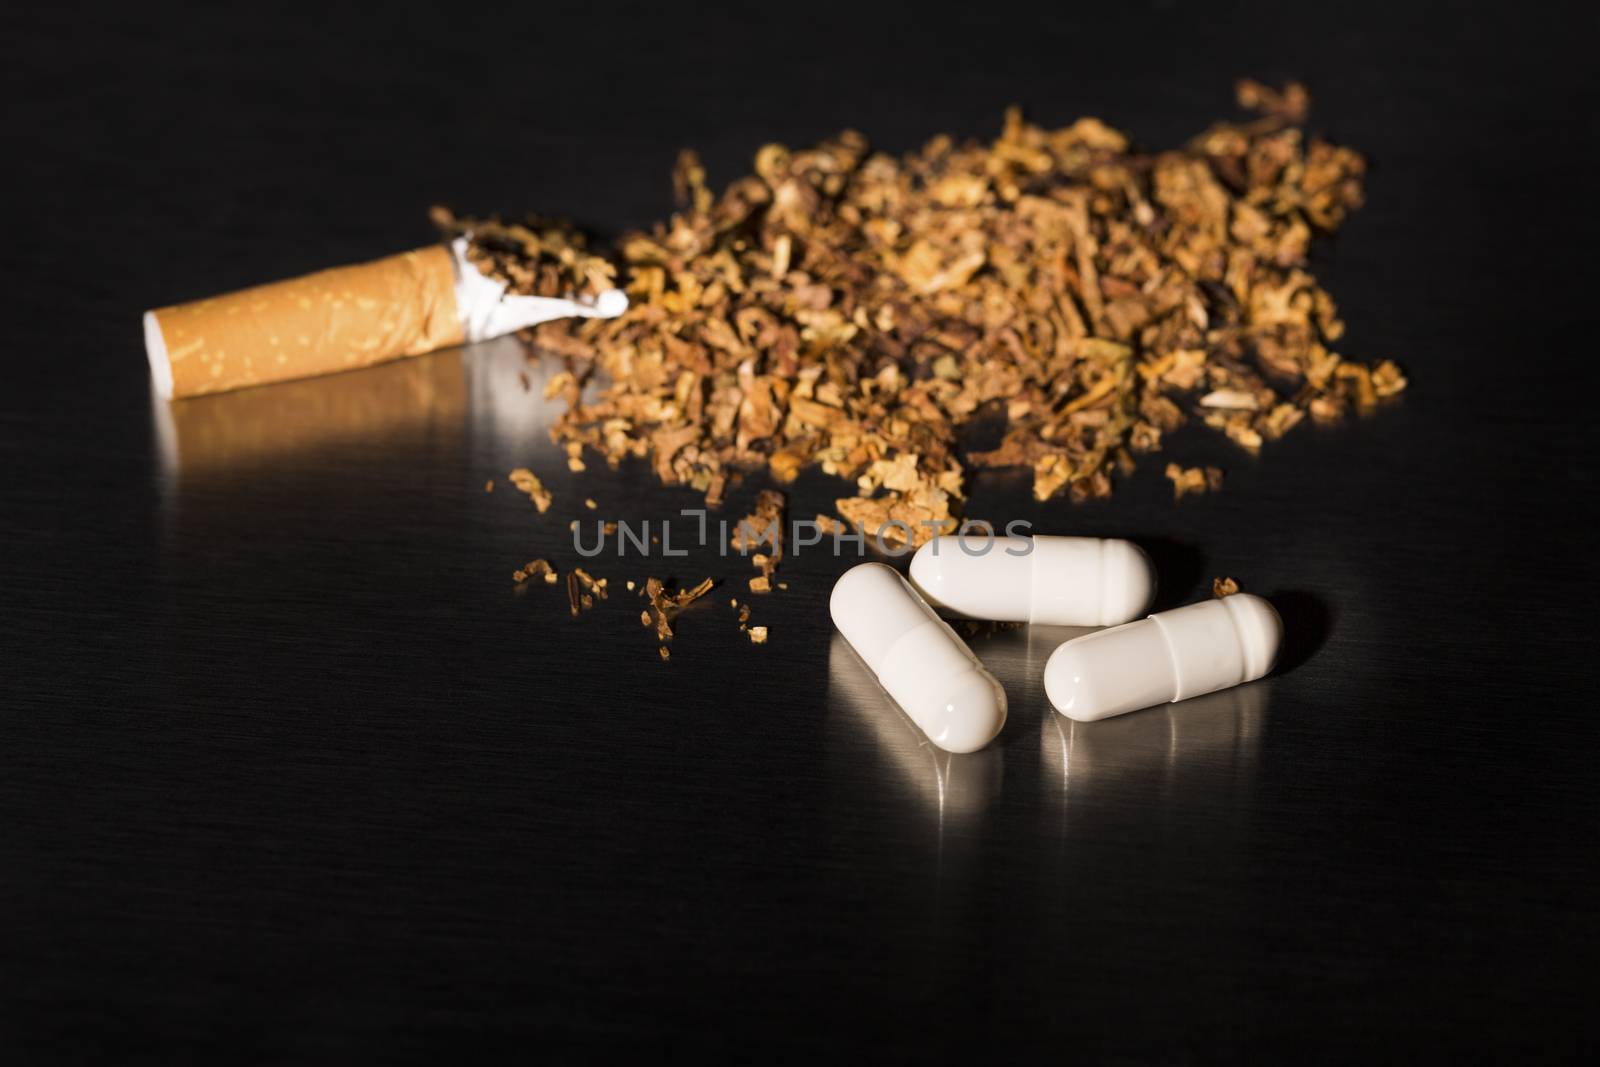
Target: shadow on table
<point>1179,567</point>
<point>1307,622</point>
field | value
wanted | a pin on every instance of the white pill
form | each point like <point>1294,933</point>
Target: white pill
<point>1055,581</point>
<point>1169,656</point>
<point>917,658</point>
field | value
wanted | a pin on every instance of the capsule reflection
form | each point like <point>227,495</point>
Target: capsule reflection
<point>1209,743</point>
<point>950,785</point>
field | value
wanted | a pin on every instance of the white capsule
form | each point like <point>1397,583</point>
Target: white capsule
<point>1054,581</point>
<point>918,659</point>
<point>1169,656</point>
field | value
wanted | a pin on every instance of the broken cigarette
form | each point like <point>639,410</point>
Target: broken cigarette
<point>342,319</point>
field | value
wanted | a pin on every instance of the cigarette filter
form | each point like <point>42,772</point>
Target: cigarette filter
<point>342,319</point>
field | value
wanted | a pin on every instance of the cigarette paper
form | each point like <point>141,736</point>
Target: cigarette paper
<point>342,319</point>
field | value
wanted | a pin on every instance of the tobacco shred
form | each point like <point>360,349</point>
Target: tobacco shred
<point>666,604</point>
<point>1221,587</point>
<point>1193,479</point>
<point>528,482</point>
<point>762,527</point>
<point>591,584</point>
<point>534,569</point>
<point>973,629</point>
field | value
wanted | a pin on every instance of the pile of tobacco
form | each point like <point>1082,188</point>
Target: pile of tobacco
<point>853,310</point>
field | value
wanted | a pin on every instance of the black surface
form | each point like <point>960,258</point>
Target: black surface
<point>289,772</point>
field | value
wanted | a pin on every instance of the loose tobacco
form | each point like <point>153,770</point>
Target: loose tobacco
<point>854,311</point>
<point>534,256</point>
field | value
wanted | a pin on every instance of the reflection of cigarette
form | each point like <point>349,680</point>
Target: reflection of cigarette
<point>341,319</point>
<point>396,402</point>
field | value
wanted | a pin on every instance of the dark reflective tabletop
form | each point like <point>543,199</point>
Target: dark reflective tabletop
<point>291,770</point>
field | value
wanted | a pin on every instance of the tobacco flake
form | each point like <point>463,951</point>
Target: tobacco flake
<point>666,605</point>
<point>528,482</point>
<point>1193,479</point>
<point>762,527</point>
<point>534,569</point>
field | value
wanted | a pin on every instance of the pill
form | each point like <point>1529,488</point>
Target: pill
<point>1056,581</point>
<point>1168,656</point>
<point>917,658</point>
